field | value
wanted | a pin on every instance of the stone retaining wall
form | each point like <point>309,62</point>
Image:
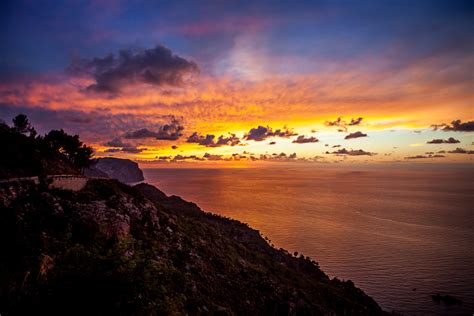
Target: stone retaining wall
<point>67,182</point>
<point>35,180</point>
<point>63,182</point>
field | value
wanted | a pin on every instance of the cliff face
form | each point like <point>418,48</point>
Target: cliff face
<point>113,249</point>
<point>124,170</point>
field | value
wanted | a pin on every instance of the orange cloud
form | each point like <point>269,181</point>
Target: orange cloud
<point>414,97</point>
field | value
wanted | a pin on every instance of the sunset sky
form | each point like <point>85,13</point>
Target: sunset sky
<point>239,83</point>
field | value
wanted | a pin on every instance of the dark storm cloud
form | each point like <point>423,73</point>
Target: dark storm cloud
<point>456,126</point>
<point>170,131</point>
<point>358,152</point>
<point>261,133</point>
<point>156,66</point>
<point>343,124</point>
<point>355,135</point>
<point>209,140</point>
<point>450,140</point>
<point>174,147</point>
<point>271,143</point>
<point>304,140</point>
<point>461,151</point>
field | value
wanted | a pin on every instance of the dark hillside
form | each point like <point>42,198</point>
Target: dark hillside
<point>113,249</point>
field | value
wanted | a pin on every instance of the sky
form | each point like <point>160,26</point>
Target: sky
<point>239,83</point>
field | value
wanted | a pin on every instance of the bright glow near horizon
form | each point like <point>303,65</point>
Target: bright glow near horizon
<point>401,67</point>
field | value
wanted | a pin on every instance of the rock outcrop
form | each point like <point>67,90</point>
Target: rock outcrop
<point>124,170</point>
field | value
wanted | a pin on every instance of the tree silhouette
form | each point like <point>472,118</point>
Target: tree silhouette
<point>24,153</point>
<point>22,125</point>
<point>70,147</point>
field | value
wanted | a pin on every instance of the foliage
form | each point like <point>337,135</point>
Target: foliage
<point>70,147</point>
<point>114,249</point>
<point>24,153</point>
<point>22,125</point>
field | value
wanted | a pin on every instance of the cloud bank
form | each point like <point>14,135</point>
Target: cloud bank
<point>209,140</point>
<point>171,131</point>
<point>156,66</point>
<point>261,133</point>
<point>304,140</point>
<point>343,124</point>
<point>450,140</point>
<point>456,126</point>
<point>355,135</point>
<point>358,152</point>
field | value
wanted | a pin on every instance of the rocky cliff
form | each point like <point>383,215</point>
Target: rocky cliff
<point>115,249</point>
<point>124,170</point>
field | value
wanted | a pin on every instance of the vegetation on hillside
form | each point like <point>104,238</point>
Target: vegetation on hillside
<point>25,153</point>
<point>114,249</point>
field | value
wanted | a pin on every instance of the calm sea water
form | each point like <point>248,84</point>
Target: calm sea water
<point>399,234</point>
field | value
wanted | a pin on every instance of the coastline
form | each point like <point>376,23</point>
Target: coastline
<point>317,223</point>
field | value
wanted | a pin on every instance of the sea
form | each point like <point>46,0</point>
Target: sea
<point>400,233</point>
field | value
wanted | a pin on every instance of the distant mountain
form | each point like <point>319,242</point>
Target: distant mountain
<point>124,170</point>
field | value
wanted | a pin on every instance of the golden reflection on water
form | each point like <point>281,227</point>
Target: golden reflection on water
<point>389,230</point>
